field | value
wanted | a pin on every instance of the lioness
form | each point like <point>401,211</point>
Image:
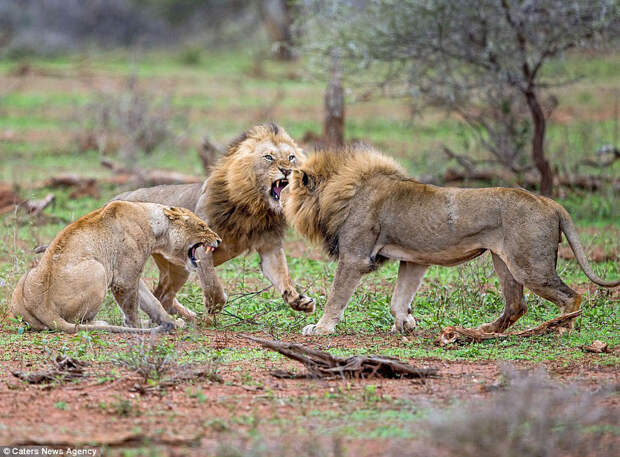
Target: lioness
<point>108,249</point>
<point>364,210</point>
<point>241,201</point>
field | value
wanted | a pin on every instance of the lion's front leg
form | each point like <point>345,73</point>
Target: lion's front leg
<point>345,281</point>
<point>214,294</point>
<point>273,264</point>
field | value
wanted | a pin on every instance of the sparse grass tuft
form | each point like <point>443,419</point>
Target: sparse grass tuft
<point>148,357</point>
<point>534,416</point>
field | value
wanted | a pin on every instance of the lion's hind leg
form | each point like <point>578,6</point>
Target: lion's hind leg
<point>556,291</point>
<point>515,306</point>
<point>409,278</point>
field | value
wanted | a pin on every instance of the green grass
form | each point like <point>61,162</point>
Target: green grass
<point>219,94</point>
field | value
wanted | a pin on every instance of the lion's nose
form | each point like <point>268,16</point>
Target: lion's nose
<point>285,171</point>
<point>217,242</point>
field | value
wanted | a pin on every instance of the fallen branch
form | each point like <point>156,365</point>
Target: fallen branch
<point>451,335</point>
<point>36,207</point>
<point>84,186</point>
<point>64,369</point>
<point>323,365</point>
<point>206,372</point>
<point>530,180</point>
<point>154,177</point>
<point>8,198</point>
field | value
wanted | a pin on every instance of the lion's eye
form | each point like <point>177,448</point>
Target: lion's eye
<point>269,157</point>
<point>291,158</point>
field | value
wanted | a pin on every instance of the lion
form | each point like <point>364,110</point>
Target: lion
<point>364,210</point>
<point>241,201</point>
<point>108,249</point>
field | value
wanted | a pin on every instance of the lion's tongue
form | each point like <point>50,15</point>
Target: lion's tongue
<point>277,189</point>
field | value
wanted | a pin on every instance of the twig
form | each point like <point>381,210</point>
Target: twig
<point>450,335</point>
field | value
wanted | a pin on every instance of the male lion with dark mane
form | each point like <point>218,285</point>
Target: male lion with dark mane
<point>241,201</point>
<point>364,210</point>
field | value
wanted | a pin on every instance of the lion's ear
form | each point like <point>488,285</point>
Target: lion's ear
<point>307,180</point>
<point>172,213</point>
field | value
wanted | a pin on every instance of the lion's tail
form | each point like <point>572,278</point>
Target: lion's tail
<point>567,226</point>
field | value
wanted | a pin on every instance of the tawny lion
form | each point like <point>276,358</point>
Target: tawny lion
<point>364,210</point>
<point>107,249</point>
<point>241,201</point>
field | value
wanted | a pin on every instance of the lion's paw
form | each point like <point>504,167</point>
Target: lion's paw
<point>182,311</point>
<point>405,326</point>
<point>179,323</point>
<point>303,303</point>
<point>315,329</point>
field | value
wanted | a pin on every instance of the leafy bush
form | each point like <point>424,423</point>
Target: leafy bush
<point>130,123</point>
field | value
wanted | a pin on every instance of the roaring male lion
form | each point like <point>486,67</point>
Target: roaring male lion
<point>364,210</point>
<point>108,249</point>
<point>241,201</point>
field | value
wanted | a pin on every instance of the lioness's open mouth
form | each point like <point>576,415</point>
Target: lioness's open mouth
<point>191,253</point>
<point>277,186</point>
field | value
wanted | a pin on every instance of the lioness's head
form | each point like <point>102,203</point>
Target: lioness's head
<point>186,233</point>
<point>258,166</point>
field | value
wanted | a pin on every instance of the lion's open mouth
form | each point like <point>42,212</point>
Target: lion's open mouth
<point>277,186</point>
<point>191,253</point>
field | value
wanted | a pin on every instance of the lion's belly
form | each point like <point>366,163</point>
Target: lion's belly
<point>444,257</point>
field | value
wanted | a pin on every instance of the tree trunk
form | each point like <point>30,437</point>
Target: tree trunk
<point>333,127</point>
<point>278,25</point>
<point>538,143</point>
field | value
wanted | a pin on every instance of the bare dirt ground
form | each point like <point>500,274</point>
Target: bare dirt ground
<point>196,415</point>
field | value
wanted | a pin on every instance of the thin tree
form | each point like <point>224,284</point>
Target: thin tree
<point>483,53</point>
<point>333,124</point>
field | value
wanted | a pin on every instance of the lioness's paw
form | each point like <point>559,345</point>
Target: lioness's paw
<point>182,311</point>
<point>303,303</point>
<point>179,323</point>
<point>314,329</point>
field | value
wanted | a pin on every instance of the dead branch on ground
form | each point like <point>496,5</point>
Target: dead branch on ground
<point>529,180</point>
<point>84,186</point>
<point>205,372</point>
<point>63,369</point>
<point>9,201</point>
<point>36,207</point>
<point>451,335</point>
<point>154,177</point>
<point>323,365</point>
